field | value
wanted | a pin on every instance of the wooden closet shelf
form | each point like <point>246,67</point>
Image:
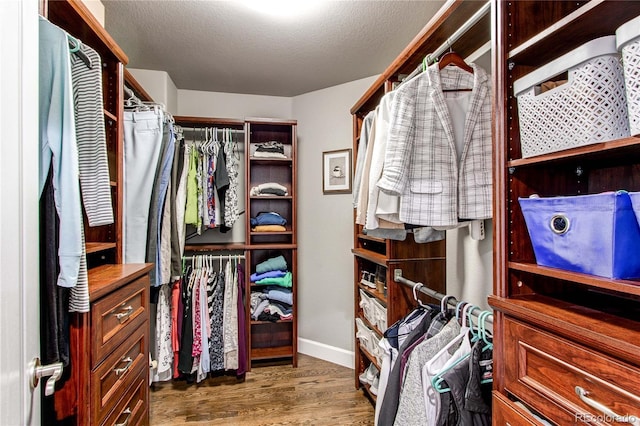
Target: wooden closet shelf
<point>253,234</point>
<point>96,247</point>
<point>113,184</point>
<point>596,329</point>
<point>371,256</point>
<point>626,148</point>
<point>370,357</point>
<point>270,161</point>
<point>371,326</point>
<point>620,286</point>
<point>272,197</point>
<point>258,354</point>
<point>367,389</point>
<point>585,24</point>
<point>375,293</point>
<point>369,238</point>
<point>269,246</point>
<point>254,322</point>
<point>110,116</point>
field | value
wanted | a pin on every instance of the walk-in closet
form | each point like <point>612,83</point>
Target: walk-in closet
<point>319,212</point>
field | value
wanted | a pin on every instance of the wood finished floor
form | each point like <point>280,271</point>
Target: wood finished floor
<point>315,393</point>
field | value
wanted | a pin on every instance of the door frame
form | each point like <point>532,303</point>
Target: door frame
<point>19,242</point>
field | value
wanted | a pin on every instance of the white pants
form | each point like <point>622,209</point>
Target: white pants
<point>142,142</point>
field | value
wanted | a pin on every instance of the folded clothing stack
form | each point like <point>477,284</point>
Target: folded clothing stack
<point>274,301</point>
<point>272,304</point>
<point>271,149</point>
<point>268,222</point>
<point>268,189</point>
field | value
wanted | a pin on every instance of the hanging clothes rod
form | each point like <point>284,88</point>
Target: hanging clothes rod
<point>199,129</point>
<point>216,256</point>
<point>452,301</point>
<point>452,39</point>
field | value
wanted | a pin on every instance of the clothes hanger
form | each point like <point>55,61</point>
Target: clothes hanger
<point>74,47</point>
<point>415,295</point>
<point>444,305</point>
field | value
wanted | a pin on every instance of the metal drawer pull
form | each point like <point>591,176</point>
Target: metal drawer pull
<point>124,314</point>
<point>126,422</point>
<point>584,396</point>
<point>124,369</point>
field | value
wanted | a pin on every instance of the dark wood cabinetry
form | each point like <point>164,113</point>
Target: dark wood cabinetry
<point>107,381</point>
<point>559,331</point>
<point>272,340</point>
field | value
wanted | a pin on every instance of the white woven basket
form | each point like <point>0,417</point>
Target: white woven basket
<point>591,107</point>
<point>628,42</point>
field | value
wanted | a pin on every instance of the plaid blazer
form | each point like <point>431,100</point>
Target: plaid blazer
<point>437,185</point>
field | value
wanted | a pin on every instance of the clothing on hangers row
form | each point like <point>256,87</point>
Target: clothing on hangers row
<point>200,323</point>
<point>436,364</point>
<point>424,156</point>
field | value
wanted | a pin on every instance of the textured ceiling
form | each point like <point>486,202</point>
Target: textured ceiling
<point>223,46</point>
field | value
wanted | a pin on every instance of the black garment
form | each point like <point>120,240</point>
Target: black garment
<point>465,404</point>
<point>54,300</point>
<point>478,394</point>
<point>176,172</point>
<point>389,406</point>
<point>185,357</point>
<point>222,182</point>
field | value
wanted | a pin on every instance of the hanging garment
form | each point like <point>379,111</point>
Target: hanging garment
<point>362,153</point>
<point>181,201</point>
<point>142,142</point>
<point>231,212</point>
<point>440,362</point>
<point>222,181</point>
<point>185,361</point>
<point>391,399</point>
<point>164,348</point>
<point>230,318</point>
<point>204,365</point>
<point>191,216</point>
<point>176,322</point>
<point>91,137</point>
<point>156,207</point>
<point>242,337</point>
<point>177,216</point>
<point>58,146</point>
<point>54,315</point>
<point>215,291</point>
<point>436,184</point>
<point>411,408</point>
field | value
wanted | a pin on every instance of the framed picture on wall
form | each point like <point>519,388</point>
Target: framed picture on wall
<point>336,172</point>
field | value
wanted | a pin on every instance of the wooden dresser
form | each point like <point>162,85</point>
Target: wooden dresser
<point>109,382</point>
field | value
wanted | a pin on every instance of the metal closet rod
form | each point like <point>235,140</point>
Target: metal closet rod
<point>452,301</point>
<point>453,38</point>
<point>220,256</point>
<point>199,129</point>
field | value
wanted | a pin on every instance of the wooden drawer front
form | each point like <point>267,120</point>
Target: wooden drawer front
<point>111,379</point>
<point>503,413</point>
<point>116,315</point>
<point>132,408</point>
<point>541,368</point>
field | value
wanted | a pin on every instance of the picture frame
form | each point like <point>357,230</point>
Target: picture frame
<point>336,171</point>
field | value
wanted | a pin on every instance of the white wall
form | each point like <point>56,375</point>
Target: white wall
<point>96,8</point>
<point>325,222</point>
<point>159,86</point>
<point>232,105</point>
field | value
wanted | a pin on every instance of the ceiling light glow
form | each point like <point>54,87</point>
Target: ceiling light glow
<point>283,8</point>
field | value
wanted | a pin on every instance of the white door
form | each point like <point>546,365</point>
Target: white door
<point>19,297</point>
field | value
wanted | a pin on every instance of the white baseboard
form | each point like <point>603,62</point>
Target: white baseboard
<point>327,353</point>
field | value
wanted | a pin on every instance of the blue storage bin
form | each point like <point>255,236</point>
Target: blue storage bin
<point>594,234</point>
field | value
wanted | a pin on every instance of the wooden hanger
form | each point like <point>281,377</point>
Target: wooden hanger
<point>452,58</point>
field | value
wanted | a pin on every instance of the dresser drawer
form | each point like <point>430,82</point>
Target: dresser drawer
<point>131,410</point>
<point>115,316</point>
<point>504,413</point>
<point>546,371</point>
<point>115,375</point>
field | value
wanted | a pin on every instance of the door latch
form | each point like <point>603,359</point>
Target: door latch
<point>37,371</point>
